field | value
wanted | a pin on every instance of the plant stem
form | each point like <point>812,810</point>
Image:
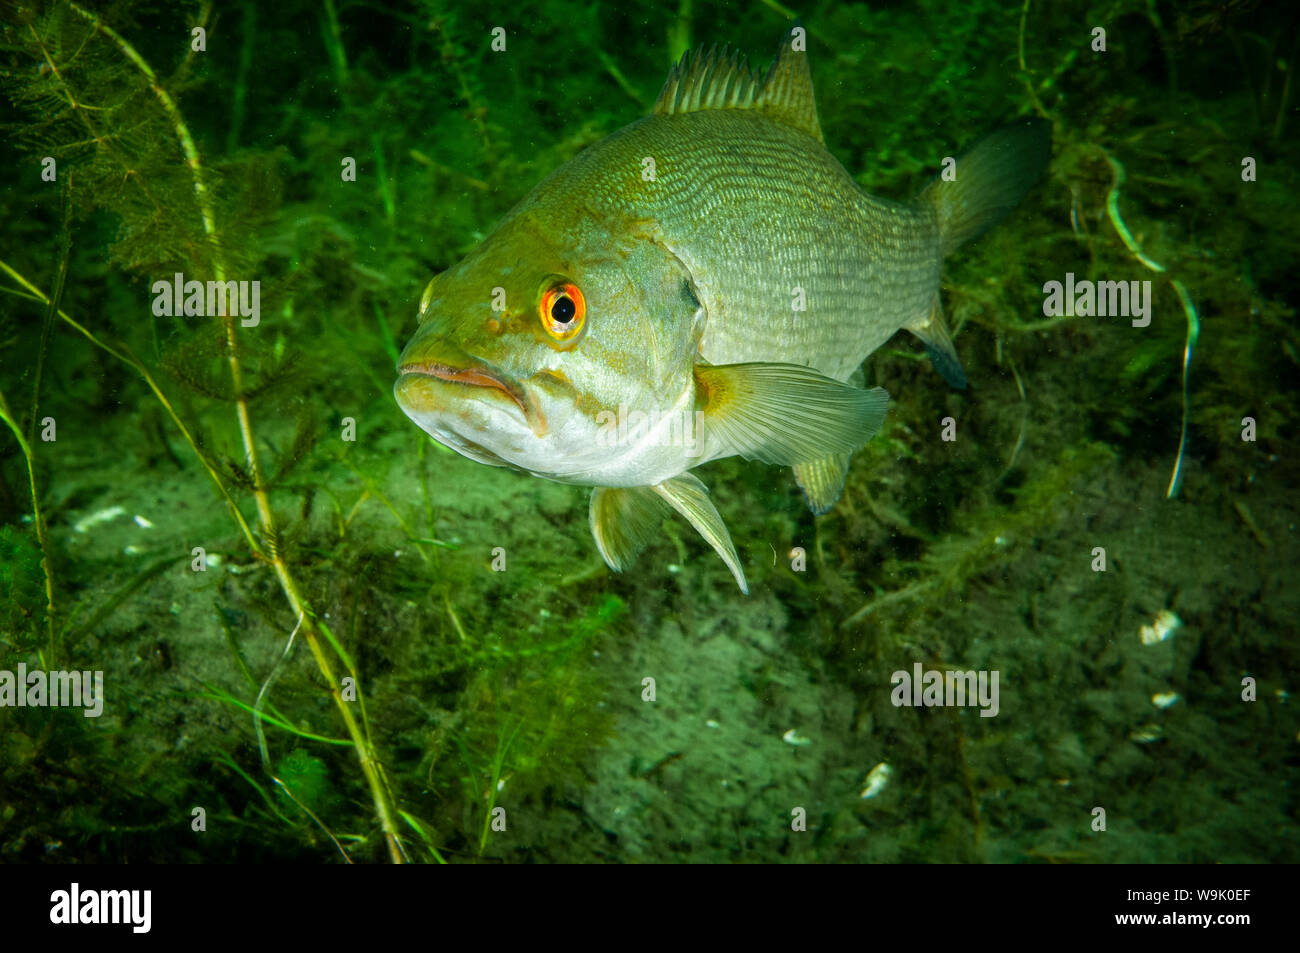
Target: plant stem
<point>271,551</point>
<point>42,536</point>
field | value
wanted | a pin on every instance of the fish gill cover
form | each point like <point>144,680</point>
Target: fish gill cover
<point>1049,617</point>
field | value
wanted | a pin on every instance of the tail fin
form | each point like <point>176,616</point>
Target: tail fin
<point>991,179</point>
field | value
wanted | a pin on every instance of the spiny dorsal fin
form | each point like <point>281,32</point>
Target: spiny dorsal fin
<point>723,79</point>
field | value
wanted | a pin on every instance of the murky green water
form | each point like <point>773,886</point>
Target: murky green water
<point>318,633</point>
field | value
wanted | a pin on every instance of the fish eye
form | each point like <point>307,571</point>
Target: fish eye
<point>563,311</point>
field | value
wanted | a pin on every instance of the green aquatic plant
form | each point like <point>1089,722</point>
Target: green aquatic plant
<point>168,201</point>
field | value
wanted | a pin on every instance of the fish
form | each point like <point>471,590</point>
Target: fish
<point>705,282</point>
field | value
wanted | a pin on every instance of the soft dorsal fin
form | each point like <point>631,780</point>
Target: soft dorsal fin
<point>723,79</point>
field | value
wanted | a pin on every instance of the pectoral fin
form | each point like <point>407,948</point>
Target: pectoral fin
<point>688,496</point>
<point>623,521</point>
<point>822,481</point>
<point>785,414</point>
<point>933,331</point>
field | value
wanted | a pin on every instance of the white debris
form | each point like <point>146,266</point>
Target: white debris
<point>1164,626</point>
<point>142,522</point>
<point>1164,699</point>
<point>1146,734</point>
<point>876,780</point>
<point>84,524</point>
<point>793,737</point>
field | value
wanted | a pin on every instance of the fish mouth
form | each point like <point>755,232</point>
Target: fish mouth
<point>415,385</point>
<point>479,374</point>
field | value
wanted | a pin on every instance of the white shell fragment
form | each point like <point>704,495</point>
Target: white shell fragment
<point>1164,699</point>
<point>1165,624</point>
<point>84,524</point>
<point>793,737</point>
<point>142,522</point>
<point>876,780</point>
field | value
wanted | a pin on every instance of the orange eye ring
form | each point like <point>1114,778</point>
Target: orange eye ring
<point>563,311</point>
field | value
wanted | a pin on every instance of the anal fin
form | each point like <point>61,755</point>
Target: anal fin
<point>933,332</point>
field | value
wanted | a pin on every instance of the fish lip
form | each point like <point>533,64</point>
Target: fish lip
<point>476,373</point>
